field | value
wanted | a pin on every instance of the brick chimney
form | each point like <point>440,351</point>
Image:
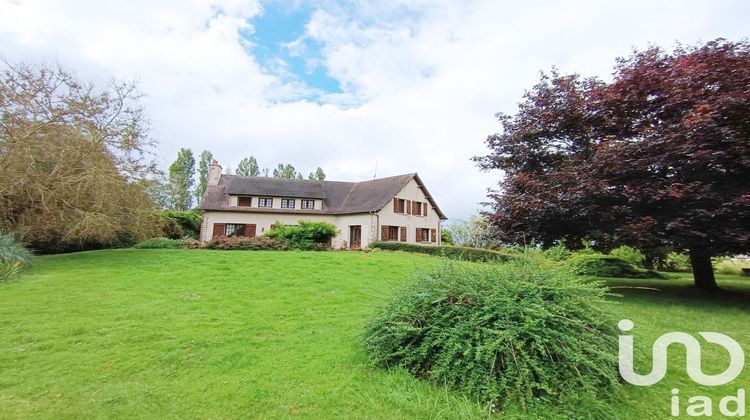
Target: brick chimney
<point>214,173</point>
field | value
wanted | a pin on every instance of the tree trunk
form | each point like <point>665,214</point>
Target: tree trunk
<point>703,272</point>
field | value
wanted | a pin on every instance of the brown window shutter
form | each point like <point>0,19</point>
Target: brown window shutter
<point>244,201</point>
<point>424,213</point>
<point>219,229</point>
<point>403,233</point>
<point>408,207</point>
<point>418,236</point>
<point>250,231</point>
<point>433,235</point>
<point>384,233</point>
<point>395,205</point>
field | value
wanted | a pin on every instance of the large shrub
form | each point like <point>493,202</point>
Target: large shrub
<point>452,252</point>
<point>160,243</point>
<point>607,266</point>
<point>304,235</point>
<point>258,243</point>
<point>181,224</point>
<point>14,257</point>
<point>629,254</point>
<point>514,332</point>
<point>75,160</point>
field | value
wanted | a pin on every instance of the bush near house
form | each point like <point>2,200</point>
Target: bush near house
<point>257,243</point>
<point>600,265</point>
<point>502,333</point>
<point>14,257</point>
<point>305,235</point>
<point>160,243</point>
<point>452,252</point>
<point>181,224</point>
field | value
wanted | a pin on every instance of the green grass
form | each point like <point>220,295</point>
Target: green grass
<point>194,333</point>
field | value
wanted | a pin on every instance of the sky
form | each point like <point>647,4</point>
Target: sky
<point>360,88</point>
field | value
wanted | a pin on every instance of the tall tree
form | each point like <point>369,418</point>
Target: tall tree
<point>204,161</point>
<point>285,171</point>
<point>318,175</point>
<point>73,160</point>
<point>659,156</point>
<point>248,167</point>
<point>181,180</point>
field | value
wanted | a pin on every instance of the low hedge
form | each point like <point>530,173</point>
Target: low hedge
<point>160,243</point>
<point>452,252</point>
<point>608,266</point>
<point>257,243</point>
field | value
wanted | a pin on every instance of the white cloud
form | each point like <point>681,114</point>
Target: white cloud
<point>421,80</point>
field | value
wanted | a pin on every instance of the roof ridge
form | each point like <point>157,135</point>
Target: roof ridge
<point>409,174</point>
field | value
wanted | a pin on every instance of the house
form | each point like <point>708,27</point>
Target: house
<point>397,208</point>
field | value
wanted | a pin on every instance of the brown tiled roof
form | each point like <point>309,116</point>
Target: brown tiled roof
<point>338,197</point>
<point>276,187</point>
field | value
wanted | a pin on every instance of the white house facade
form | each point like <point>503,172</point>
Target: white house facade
<point>398,208</point>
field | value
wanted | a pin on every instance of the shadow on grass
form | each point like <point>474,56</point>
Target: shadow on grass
<point>733,292</point>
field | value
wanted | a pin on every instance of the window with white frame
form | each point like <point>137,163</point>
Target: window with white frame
<point>234,229</point>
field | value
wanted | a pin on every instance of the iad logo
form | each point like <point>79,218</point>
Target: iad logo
<point>700,405</point>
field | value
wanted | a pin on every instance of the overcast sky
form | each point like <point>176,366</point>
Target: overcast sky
<point>405,86</point>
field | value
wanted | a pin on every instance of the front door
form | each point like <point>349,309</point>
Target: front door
<point>355,237</point>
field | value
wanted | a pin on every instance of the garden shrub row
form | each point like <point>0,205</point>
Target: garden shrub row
<point>452,252</point>
<point>160,243</point>
<point>305,235</point>
<point>257,243</point>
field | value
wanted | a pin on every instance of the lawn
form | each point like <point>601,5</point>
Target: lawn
<point>194,333</point>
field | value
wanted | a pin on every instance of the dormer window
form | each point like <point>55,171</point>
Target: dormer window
<point>287,203</point>
<point>308,204</point>
<point>265,202</point>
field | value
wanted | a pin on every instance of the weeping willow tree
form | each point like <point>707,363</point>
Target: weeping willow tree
<point>73,160</point>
